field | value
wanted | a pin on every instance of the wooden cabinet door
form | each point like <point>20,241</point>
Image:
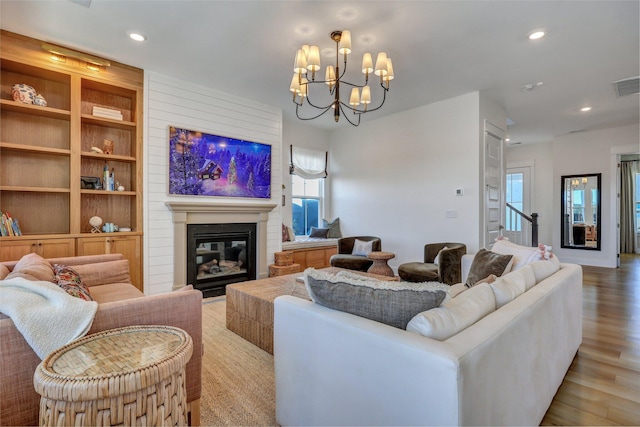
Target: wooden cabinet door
<point>92,246</point>
<point>13,250</point>
<point>300,257</point>
<point>315,258</point>
<point>56,248</point>
<point>129,247</point>
<point>328,253</point>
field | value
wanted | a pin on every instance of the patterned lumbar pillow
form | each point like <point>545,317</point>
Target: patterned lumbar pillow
<point>486,263</point>
<point>69,280</point>
<point>392,303</point>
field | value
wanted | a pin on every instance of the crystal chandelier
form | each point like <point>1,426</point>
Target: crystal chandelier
<point>307,63</point>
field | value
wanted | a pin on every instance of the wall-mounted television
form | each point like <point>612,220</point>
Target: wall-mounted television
<point>202,164</point>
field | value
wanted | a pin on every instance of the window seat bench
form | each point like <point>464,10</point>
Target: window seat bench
<point>311,252</point>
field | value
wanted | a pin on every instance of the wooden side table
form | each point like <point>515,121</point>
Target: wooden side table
<point>127,376</point>
<point>380,265</point>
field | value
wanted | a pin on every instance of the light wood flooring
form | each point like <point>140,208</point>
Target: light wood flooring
<point>602,386</point>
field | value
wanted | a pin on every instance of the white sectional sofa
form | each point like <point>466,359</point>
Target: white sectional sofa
<point>334,368</point>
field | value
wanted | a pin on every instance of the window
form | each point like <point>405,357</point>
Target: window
<point>515,197</point>
<point>306,203</point>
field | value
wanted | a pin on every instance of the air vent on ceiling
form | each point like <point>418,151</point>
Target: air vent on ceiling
<point>628,86</point>
<point>85,3</point>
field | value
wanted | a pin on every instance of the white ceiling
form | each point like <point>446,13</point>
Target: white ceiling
<point>440,49</point>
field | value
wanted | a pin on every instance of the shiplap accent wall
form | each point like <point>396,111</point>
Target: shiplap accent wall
<point>173,102</point>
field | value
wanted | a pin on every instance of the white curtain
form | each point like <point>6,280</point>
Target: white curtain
<point>628,225</point>
<point>308,164</point>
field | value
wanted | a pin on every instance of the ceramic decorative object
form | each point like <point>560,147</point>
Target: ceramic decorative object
<point>23,93</point>
<point>95,222</point>
<point>39,100</point>
<point>107,148</point>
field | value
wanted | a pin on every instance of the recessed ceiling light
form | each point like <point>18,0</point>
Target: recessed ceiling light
<point>137,37</point>
<point>537,34</point>
<point>585,109</point>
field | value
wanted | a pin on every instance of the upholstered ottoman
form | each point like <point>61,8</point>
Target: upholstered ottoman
<point>418,272</point>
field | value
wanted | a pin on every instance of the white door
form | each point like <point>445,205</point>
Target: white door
<point>493,183</point>
<point>518,195</point>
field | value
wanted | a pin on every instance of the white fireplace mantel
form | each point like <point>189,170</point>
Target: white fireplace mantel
<point>185,213</point>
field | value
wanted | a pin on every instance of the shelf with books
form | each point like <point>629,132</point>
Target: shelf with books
<point>40,211</point>
<point>46,150</point>
<point>9,226</point>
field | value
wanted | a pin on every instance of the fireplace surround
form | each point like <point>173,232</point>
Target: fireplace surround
<point>185,213</point>
<point>220,254</point>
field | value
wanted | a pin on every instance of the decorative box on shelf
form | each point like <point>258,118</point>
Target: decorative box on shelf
<point>281,270</point>
<point>284,258</point>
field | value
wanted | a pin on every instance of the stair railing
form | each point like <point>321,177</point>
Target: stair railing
<point>521,228</point>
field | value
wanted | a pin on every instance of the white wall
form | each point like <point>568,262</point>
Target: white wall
<point>541,156</point>
<point>395,177</point>
<point>300,135</point>
<point>173,102</point>
<point>592,152</point>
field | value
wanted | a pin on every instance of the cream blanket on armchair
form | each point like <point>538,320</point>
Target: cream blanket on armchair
<point>45,314</point>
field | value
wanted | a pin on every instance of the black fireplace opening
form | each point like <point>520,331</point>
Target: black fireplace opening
<point>220,254</point>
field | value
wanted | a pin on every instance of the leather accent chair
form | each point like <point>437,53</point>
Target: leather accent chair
<point>448,270</point>
<point>345,259</point>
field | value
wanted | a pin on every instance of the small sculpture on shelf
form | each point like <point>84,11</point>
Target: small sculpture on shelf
<point>95,222</point>
<point>23,93</point>
<point>40,100</point>
<point>107,148</point>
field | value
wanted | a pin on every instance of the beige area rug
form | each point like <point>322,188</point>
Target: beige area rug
<point>238,387</point>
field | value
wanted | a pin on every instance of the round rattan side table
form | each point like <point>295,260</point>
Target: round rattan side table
<point>127,376</point>
<point>380,265</point>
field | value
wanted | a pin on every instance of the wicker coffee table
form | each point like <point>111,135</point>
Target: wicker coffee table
<point>127,376</point>
<point>250,304</point>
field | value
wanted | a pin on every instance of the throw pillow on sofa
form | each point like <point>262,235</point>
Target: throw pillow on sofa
<point>104,272</point>
<point>392,303</point>
<point>486,263</point>
<point>545,268</point>
<point>32,267</point>
<point>455,315</point>
<point>362,248</point>
<point>69,280</point>
<point>512,285</point>
<point>522,255</point>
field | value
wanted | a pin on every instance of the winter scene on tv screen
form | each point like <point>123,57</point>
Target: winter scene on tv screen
<point>202,164</point>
